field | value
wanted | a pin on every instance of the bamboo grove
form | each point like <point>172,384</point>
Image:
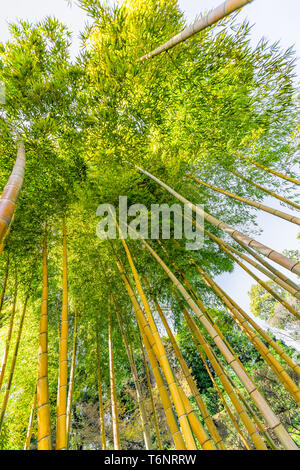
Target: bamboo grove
<point>124,343</point>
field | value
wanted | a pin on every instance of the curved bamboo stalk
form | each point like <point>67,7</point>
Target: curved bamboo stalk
<point>9,333</point>
<point>71,379</point>
<point>166,402</point>
<point>101,409</point>
<point>30,423</point>
<point>255,340</point>
<point>223,10</point>
<point>61,429</point>
<point>184,421</point>
<point>263,406</point>
<point>193,387</point>
<point>14,360</point>
<point>155,419</point>
<point>4,283</point>
<point>235,234</point>
<point>269,170</point>
<point>43,405</point>
<point>10,194</point>
<point>265,190</point>
<point>143,414</point>
<point>257,205</point>
<point>114,406</point>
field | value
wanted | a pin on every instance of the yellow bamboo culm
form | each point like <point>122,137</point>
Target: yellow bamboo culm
<point>9,334</point>
<point>164,396</point>
<point>43,406</point>
<point>258,344</point>
<point>263,406</point>
<point>257,205</point>
<point>162,357</point>
<point>193,387</point>
<point>114,406</point>
<point>14,359</point>
<point>71,379</point>
<point>265,190</point>
<point>155,419</point>
<point>30,423</point>
<point>61,422</point>
<point>269,170</point>
<point>143,414</point>
<point>101,409</point>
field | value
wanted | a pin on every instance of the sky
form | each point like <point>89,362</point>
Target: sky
<point>273,19</point>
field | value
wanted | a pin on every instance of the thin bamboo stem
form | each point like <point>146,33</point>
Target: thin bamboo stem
<point>101,409</point>
<point>114,406</point>
<point>71,378</point>
<point>257,205</point>
<point>30,423</point>
<point>61,429</point>
<point>9,334</point>
<point>265,190</point>
<point>4,283</point>
<point>269,170</point>
<point>14,359</point>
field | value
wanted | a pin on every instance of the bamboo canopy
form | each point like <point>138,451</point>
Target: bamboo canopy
<point>223,10</point>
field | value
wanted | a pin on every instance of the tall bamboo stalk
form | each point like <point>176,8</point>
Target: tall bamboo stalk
<point>30,423</point>
<point>265,190</point>
<point>249,202</point>
<point>14,359</point>
<point>43,405</point>
<point>61,429</point>
<point>114,406</point>
<point>10,194</point>
<point>269,170</point>
<point>101,409</point>
<point>162,357</point>
<point>4,283</point>
<point>164,396</point>
<point>9,333</point>
<point>223,10</point>
<point>263,406</point>
<point>235,234</point>
<point>193,387</point>
<point>155,419</point>
<point>143,414</point>
<point>71,378</point>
